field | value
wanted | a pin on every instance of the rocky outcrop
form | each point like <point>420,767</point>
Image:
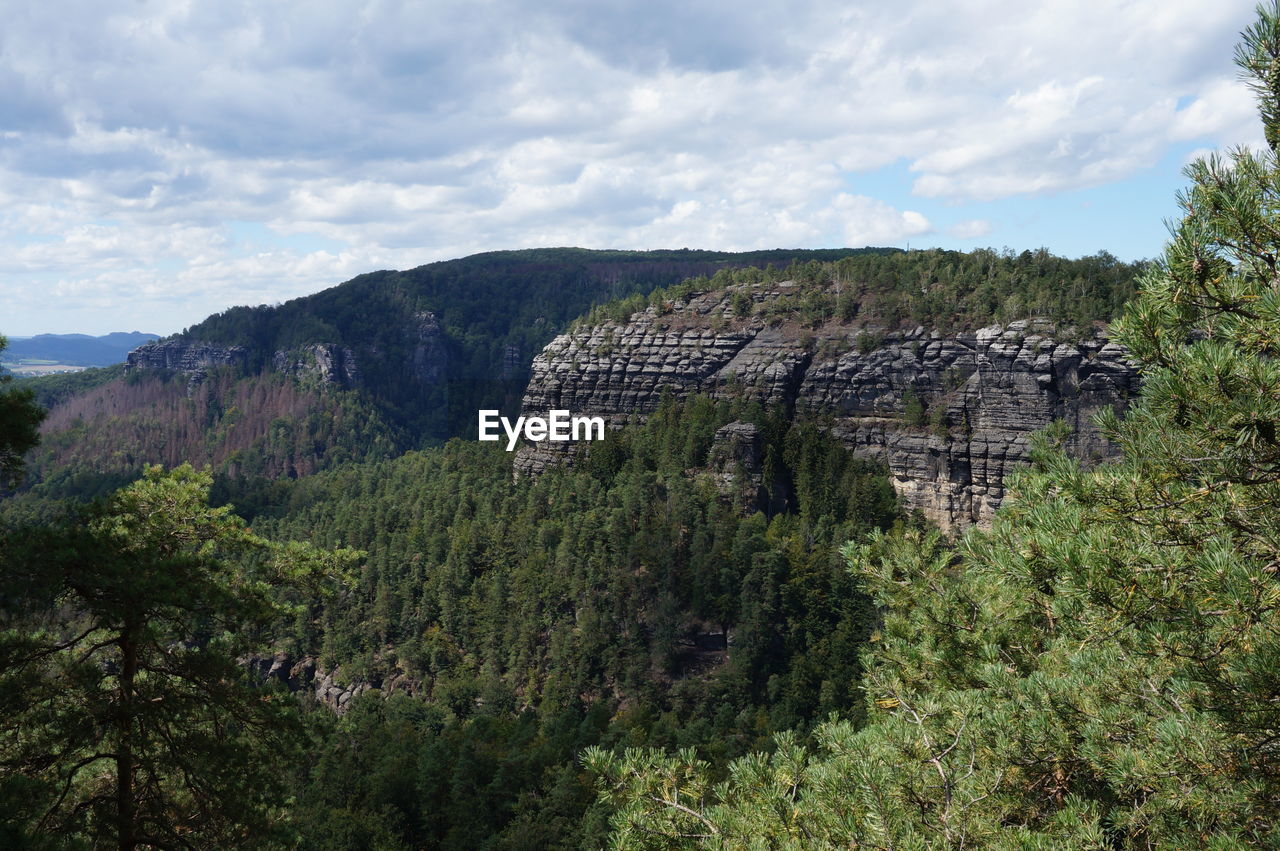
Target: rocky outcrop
<point>185,356</point>
<point>512,362</point>
<point>425,356</point>
<point>951,415</point>
<point>329,688</point>
<point>194,359</point>
<point>325,362</point>
<point>429,355</point>
<point>736,462</point>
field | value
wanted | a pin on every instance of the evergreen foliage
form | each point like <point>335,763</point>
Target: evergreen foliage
<point>946,290</point>
<point>20,420</point>
<point>126,719</point>
<point>626,600</point>
<point>1100,668</point>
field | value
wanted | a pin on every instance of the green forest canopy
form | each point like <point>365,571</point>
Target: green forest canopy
<point>1099,670</point>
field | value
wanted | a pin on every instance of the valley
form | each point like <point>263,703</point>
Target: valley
<point>421,530</point>
<point>677,583</point>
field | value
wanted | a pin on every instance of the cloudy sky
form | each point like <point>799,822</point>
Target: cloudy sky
<point>161,159</point>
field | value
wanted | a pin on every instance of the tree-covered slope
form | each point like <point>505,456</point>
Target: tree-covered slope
<point>494,311</point>
<point>637,597</point>
<point>422,350</point>
<point>264,426</point>
<point>1099,670</point>
<point>659,593</point>
<point>935,288</point>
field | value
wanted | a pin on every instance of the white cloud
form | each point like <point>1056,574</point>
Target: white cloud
<point>867,221</point>
<point>970,229</point>
<point>392,133</point>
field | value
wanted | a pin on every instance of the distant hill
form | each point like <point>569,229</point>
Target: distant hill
<point>391,361</point>
<point>385,362</point>
<point>76,349</point>
<point>435,343</point>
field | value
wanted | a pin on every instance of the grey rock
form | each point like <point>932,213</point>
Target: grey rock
<point>194,359</point>
<point>429,356</point>
<point>327,362</point>
<point>985,391</point>
<point>512,362</point>
<point>184,356</point>
<point>736,461</point>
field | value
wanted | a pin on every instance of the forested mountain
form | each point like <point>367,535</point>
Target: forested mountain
<point>1099,670</point>
<point>679,586</point>
<point>383,363</point>
<point>435,343</point>
<point>880,550</point>
<point>396,360</point>
<point>948,400</point>
<point>717,627</point>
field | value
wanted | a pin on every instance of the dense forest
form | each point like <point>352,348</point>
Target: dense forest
<point>628,600</point>
<point>494,629</point>
<point>666,644</point>
<point>490,630</point>
<point>943,290</point>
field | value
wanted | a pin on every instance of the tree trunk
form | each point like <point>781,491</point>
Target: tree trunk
<point>126,815</point>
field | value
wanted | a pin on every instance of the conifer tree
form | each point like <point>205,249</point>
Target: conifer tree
<point>20,418</point>
<point>1101,669</point>
<point>126,719</point>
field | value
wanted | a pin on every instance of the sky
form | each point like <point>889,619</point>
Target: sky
<point>161,160</point>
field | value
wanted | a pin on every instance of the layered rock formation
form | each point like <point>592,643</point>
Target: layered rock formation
<point>194,359</point>
<point>429,361</point>
<point>185,356</point>
<point>950,414</point>
<point>330,688</point>
<point>736,460</point>
<point>325,362</point>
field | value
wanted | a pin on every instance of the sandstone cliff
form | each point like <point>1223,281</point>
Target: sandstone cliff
<point>194,359</point>
<point>429,361</point>
<point>185,356</point>
<point>422,357</point>
<point>325,362</point>
<point>950,414</point>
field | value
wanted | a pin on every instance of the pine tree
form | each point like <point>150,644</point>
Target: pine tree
<point>20,418</point>
<point>1101,669</point>
<point>126,719</point>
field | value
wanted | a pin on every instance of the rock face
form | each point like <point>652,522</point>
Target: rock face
<point>326,362</point>
<point>329,688</point>
<point>429,361</point>
<point>189,357</point>
<point>736,460</point>
<point>194,359</point>
<point>512,362</point>
<point>950,414</point>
